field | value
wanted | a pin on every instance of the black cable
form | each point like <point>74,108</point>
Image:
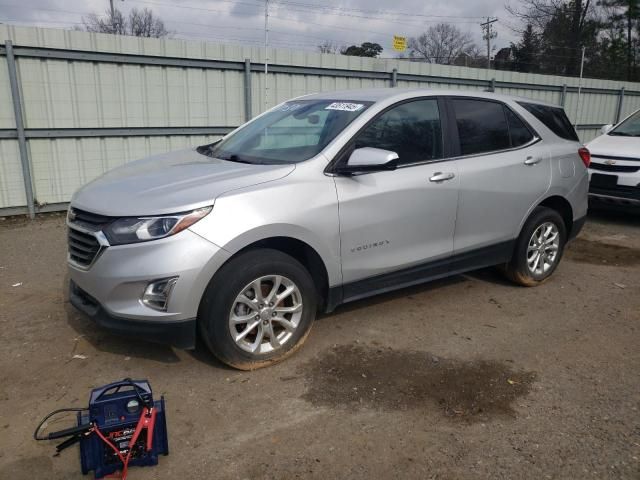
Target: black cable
<point>55,412</point>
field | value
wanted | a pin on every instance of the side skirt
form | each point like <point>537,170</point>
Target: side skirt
<point>425,272</point>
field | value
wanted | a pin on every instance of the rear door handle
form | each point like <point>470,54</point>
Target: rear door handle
<point>532,161</point>
<point>441,177</point>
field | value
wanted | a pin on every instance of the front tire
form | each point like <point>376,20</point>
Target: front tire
<point>258,309</point>
<point>539,248</point>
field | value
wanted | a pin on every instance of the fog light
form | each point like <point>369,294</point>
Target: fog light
<point>157,293</point>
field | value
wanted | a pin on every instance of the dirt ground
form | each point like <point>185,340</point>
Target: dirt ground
<point>470,377</point>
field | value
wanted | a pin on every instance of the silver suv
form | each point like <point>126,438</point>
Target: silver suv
<point>322,200</point>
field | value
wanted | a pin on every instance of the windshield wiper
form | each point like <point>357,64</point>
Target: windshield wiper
<point>622,134</point>
<point>234,158</point>
<point>207,149</point>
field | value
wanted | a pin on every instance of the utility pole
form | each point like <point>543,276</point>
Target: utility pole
<point>489,34</point>
<point>113,17</point>
<point>579,88</point>
<point>266,53</point>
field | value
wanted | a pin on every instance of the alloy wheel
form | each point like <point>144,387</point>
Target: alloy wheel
<point>265,314</point>
<point>542,250</point>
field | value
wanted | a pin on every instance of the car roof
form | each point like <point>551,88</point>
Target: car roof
<point>385,94</point>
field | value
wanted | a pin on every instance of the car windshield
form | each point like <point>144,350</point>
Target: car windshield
<point>629,128</point>
<point>290,133</point>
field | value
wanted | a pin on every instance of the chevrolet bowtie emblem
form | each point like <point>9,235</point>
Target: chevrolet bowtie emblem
<point>610,162</point>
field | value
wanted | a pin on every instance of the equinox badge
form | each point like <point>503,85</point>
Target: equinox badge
<point>361,248</point>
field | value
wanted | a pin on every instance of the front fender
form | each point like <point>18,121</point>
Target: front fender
<point>302,207</point>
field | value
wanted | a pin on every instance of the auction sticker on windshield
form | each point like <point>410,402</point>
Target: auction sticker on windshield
<point>345,107</point>
<point>290,107</point>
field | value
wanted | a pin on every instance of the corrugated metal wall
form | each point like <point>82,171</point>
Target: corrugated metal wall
<point>59,93</point>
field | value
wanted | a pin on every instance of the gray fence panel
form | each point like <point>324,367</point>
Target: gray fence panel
<point>92,102</point>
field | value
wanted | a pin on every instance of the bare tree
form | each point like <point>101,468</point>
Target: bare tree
<point>140,23</point>
<point>106,23</point>
<point>143,23</point>
<point>328,47</point>
<point>441,43</point>
<point>537,13</point>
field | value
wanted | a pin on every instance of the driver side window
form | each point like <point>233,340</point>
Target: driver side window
<point>411,129</point>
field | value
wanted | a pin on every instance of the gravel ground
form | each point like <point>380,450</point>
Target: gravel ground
<point>470,377</point>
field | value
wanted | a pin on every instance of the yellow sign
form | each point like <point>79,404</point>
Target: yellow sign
<point>399,43</point>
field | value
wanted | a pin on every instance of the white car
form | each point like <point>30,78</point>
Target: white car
<point>614,172</point>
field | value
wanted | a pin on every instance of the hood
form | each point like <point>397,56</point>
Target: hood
<point>611,145</point>
<point>170,183</point>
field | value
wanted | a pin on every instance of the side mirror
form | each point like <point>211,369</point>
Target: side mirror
<point>606,128</point>
<point>369,159</point>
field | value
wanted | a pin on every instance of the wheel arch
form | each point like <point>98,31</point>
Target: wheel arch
<point>563,207</point>
<point>302,252</point>
<point>299,249</point>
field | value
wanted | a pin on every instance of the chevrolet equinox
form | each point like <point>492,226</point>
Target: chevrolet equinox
<point>322,200</point>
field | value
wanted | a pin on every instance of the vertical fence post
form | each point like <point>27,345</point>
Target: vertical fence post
<point>619,107</point>
<point>247,90</point>
<point>22,141</point>
<point>492,85</point>
<point>563,95</point>
<point>394,78</point>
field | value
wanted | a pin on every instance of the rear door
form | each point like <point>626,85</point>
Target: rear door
<point>504,169</point>
<point>393,220</point>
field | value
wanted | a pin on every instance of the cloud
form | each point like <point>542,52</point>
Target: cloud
<point>292,23</point>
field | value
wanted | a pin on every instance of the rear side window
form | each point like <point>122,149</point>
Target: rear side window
<point>482,126</point>
<point>411,129</point>
<point>518,131</point>
<point>553,118</point>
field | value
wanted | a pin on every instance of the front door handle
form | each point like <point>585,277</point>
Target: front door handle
<point>532,161</point>
<point>441,177</point>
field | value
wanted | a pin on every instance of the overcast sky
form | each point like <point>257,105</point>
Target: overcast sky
<point>292,23</point>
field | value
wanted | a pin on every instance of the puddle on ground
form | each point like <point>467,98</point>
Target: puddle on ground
<point>599,253</point>
<point>355,376</point>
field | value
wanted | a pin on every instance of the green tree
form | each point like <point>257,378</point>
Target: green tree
<point>564,27</point>
<point>367,49</point>
<point>625,14</point>
<point>527,51</point>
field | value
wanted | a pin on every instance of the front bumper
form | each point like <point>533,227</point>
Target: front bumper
<point>616,195</point>
<point>110,290</point>
<point>621,189</point>
<point>181,334</point>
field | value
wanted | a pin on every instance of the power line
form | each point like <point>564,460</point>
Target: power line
<point>277,16</point>
<point>311,6</point>
<point>382,19</point>
<point>343,10</point>
<point>322,10</point>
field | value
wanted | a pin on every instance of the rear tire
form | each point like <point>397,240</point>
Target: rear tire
<point>258,309</point>
<point>539,248</point>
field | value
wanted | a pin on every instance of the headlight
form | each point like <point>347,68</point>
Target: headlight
<point>143,229</point>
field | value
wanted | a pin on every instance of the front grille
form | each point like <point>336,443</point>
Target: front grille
<point>89,220</point>
<point>614,168</point>
<point>613,157</point>
<point>83,247</point>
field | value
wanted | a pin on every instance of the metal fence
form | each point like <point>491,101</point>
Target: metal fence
<point>74,104</point>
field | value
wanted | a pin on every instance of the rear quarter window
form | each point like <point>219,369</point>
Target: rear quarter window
<point>553,118</point>
<point>482,126</point>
